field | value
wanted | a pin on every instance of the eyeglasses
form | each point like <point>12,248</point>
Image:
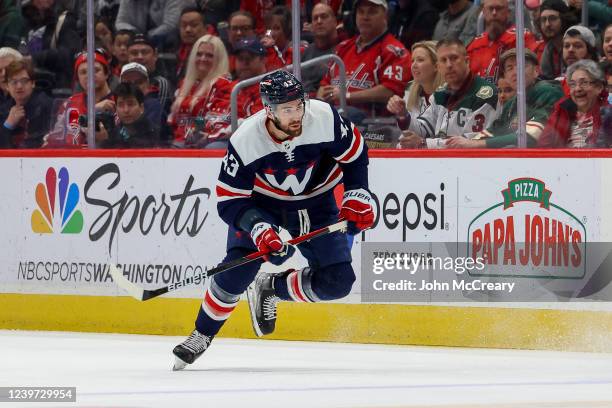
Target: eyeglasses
<point>235,29</point>
<point>580,84</point>
<point>549,19</point>
<point>22,82</point>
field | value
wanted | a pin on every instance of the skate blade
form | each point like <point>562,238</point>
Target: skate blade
<point>178,364</point>
<point>251,300</point>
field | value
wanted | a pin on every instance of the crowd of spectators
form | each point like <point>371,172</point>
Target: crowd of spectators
<point>419,73</point>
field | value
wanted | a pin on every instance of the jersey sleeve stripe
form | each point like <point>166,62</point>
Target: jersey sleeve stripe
<point>234,190</point>
<point>355,150</point>
<point>224,194</point>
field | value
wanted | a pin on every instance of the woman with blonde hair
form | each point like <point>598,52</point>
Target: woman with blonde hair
<point>206,75</point>
<point>426,79</point>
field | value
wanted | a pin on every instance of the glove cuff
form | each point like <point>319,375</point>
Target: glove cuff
<point>361,195</point>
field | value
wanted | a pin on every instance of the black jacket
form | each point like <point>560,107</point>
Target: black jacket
<point>28,134</point>
<point>139,135</point>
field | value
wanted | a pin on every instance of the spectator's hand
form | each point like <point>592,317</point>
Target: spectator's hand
<point>460,142</point>
<point>577,4</point>
<point>107,105</point>
<point>329,94</point>
<point>307,27</point>
<point>397,106</point>
<point>101,135</point>
<point>267,41</point>
<point>410,140</point>
<point>15,116</point>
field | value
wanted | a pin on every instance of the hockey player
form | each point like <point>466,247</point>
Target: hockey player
<point>465,105</point>
<point>279,171</point>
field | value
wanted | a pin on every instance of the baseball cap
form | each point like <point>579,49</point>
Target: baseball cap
<point>139,38</point>
<point>584,33</point>
<point>251,45</point>
<point>377,2</point>
<point>511,53</point>
<point>134,67</point>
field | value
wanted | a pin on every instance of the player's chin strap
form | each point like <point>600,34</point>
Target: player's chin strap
<point>144,294</point>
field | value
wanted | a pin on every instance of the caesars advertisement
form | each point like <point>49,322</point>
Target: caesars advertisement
<point>446,229</point>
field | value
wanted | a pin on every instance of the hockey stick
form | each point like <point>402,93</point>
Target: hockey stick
<point>141,294</point>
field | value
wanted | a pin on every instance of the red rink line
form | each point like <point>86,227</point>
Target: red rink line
<point>378,153</point>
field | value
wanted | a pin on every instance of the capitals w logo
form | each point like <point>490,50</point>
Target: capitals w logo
<point>291,182</point>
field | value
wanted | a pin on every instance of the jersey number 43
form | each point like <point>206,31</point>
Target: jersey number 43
<point>230,165</point>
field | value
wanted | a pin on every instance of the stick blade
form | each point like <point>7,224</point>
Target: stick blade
<point>121,281</point>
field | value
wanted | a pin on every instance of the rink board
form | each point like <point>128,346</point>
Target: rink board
<point>155,211</point>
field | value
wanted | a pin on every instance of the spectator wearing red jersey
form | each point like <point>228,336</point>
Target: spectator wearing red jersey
<point>206,64</point>
<point>377,65</point>
<point>250,62</point>
<point>191,27</point>
<point>277,40</point>
<point>67,130</point>
<point>485,50</point>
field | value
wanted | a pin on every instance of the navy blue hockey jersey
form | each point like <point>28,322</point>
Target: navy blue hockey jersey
<point>259,171</point>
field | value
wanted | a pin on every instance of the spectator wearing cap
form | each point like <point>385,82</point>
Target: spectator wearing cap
<point>26,116</point>
<point>142,51</point>
<point>133,128</point>
<point>158,19</point>
<point>67,130</point>
<point>578,43</point>
<point>136,74</point>
<point>540,97</point>
<point>7,55</point>
<point>205,76</point>
<point>325,36</point>
<point>454,22</point>
<point>377,65</point>
<point>53,39</point>
<point>277,39</point>
<point>576,120</point>
<point>555,19</point>
<point>499,36</point>
<point>241,25</point>
<point>250,62</point>
<point>191,27</point>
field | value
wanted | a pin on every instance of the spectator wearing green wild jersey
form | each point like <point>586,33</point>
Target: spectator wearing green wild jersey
<point>464,105</point>
<point>541,97</point>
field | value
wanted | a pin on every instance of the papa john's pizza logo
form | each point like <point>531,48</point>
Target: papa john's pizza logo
<point>527,235</point>
<point>57,187</point>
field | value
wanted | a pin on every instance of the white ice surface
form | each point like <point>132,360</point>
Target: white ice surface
<point>112,370</point>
